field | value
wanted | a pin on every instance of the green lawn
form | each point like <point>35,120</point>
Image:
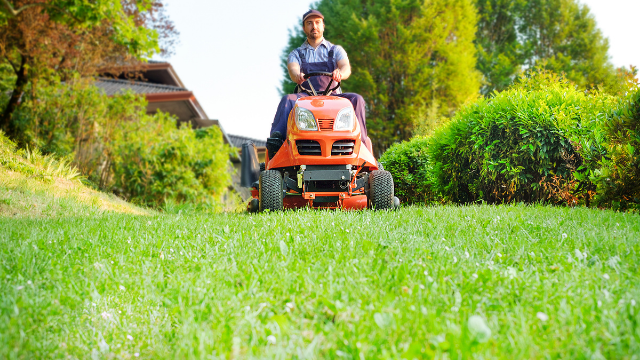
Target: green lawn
<point>540,282</point>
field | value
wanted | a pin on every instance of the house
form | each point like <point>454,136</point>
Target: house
<point>163,90</point>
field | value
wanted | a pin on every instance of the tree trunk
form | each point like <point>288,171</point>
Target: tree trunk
<point>18,91</point>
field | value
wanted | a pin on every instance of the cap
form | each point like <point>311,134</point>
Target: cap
<point>312,13</point>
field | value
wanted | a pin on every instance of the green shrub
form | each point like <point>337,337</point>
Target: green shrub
<point>76,121</point>
<point>119,147</point>
<point>410,165</point>
<point>154,162</point>
<point>537,141</point>
<point>618,179</point>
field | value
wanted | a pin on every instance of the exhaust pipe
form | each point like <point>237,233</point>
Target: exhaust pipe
<point>250,168</point>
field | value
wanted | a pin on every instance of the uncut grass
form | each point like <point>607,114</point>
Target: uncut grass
<point>26,196</point>
<point>323,284</point>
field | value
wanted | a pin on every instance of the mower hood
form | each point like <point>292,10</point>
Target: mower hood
<point>324,107</point>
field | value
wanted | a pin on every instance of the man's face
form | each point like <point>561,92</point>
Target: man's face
<point>314,27</point>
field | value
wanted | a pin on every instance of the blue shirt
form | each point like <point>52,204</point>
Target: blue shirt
<point>319,54</point>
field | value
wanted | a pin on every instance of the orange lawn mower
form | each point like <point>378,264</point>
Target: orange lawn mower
<point>323,162</point>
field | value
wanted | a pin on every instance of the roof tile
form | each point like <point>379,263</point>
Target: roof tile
<point>237,141</point>
<point>117,86</point>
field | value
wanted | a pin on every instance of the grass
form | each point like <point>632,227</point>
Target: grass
<point>483,282</point>
<point>28,196</point>
<point>34,184</point>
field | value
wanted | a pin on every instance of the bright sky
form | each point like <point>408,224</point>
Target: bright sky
<point>229,52</point>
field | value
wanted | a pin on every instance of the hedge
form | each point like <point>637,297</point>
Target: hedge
<point>542,140</point>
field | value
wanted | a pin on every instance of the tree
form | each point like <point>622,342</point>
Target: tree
<point>40,38</point>
<point>413,61</point>
<point>558,35</point>
<point>499,49</point>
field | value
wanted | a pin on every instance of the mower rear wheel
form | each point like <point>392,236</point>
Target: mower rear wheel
<point>381,190</point>
<point>271,193</point>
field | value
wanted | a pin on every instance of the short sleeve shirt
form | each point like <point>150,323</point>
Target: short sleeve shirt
<point>319,54</point>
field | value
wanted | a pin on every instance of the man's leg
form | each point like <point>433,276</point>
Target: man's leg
<point>358,105</point>
<point>282,114</point>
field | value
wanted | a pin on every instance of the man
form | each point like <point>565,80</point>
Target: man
<point>315,54</point>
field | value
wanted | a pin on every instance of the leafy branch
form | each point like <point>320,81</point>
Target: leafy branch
<point>13,12</point>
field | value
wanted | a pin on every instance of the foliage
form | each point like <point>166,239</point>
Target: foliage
<point>618,178</point>
<point>65,37</point>
<point>323,285</point>
<point>407,57</point>
<point>538,141</point>
<point>70,15</point>
<point>35,164</point>
<point>410,164</point>
<point>560,35</point>
<point>154,162</point>
<point>77,121</point>
<point>499,49</point>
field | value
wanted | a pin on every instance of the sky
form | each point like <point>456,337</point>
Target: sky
<point>229,54</point>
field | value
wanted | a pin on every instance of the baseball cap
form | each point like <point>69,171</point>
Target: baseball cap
<point>312,13</point>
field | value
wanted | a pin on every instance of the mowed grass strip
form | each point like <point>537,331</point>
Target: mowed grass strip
<point>545,282</point>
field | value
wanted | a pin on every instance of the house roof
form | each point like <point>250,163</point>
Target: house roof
<point>162,72</point>
<point>159,72</point>
<point>168,98</point>
<point>118,86</point>
<point>164,91</point>
<point>237,141</point>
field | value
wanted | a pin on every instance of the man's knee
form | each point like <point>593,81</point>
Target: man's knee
<point>291,97</point>
<point>288,99</point>
<point>356,99</point>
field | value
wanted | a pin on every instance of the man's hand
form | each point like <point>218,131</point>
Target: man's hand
<point>300,78</point>
<point>337,75</point>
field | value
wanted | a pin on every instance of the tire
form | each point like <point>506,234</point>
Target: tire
<point>253,205</point>
<point>381,192</point>
<point>271,190</point>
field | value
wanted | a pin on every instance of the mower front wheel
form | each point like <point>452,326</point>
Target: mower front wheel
<point>271,193</point>
<point>381,194</point>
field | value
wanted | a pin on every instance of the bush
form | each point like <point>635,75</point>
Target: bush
<point>119,147</point>
<point>155,163</point>
<point>538,141</point>
<point>76,121</point>
<point>618,179</point>
<point>410,165</point>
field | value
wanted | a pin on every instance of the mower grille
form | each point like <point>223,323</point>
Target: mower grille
<point>325,124</point>
<point>342,147</point>
<point>308,147</point>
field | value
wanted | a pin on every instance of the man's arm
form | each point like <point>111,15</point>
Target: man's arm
<point>295,73</point>
<point>343,71</point>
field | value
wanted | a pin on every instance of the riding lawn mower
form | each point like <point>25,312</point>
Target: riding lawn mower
<point>322,162</point>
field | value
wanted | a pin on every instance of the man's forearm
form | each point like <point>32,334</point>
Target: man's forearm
<point>294,70</point>
<point>345,70</point>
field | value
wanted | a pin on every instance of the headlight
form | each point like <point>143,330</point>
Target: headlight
<point>345,119</point>
<point>305,119</point>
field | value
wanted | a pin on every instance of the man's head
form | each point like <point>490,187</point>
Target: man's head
<point>313,24</point>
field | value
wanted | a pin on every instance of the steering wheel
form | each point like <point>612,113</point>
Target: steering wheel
<point>312,91</point>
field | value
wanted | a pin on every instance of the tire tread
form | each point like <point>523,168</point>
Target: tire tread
<point>271,190</point>
<point>381,190</point>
